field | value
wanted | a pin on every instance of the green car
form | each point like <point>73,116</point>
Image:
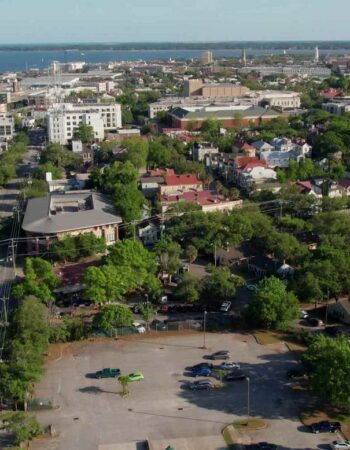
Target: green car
<point>107,373</point>
<point>135,376</point>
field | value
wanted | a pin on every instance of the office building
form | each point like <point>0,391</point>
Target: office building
<point>64,118</point>
<point>206,58</point>
<point>7,126</point>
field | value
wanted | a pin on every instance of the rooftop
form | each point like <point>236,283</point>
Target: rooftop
<point>59,213</point>
<point>223,112</point>
<point>174,180</point>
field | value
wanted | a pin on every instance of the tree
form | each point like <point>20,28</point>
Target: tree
<point>42,169</point>
<point>22,426</point>
<point>326,143</point>
<point>64,249</point>
<point>159,155</point>
<point>147,312</point>
<point>137,152</point>
<point>272,307</point>
<point>88,244</point>
<point>113,316</point>
<point>124,381</point>
<point>39,280</point>
<point>85,133</point>
<point>306,286</point>
<point>191,254</point>
<point>327,362</point>
<point>168,253</point>
<point>188,289</point>
<point>220,285</point>
<point>129,201</point>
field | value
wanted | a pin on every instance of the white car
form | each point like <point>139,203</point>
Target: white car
<point>338,445</point>
<point>303,314</point>
<point>229,365</point>
<point>139,327</point>
<point>225,307</point>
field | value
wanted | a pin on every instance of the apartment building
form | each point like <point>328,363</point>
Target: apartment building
<point>197,88</point>
<point>7,126</point>
<point>64,118</point>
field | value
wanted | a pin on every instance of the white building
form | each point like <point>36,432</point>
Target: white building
<point>7,126</point>
<point>64,118</point>
<point>281,99</point>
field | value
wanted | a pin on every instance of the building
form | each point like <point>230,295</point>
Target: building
<point>312,70</point>
<point>7,126</point>
<point>200,150</point>
<point>206,200</point>
<point>340,310</point>
<point>280,99</point>
<point>231,116</point>
<point>206,58</point>
<point>198,88</point>
<point>64,118</point>
<point>71,213</point>
<point>249,172</point>
<point>338,108</point>
<point>149,233</point>
<point>174,184</point>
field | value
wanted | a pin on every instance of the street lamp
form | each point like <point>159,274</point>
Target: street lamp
<point>204,326</point>
<point>248,399</point>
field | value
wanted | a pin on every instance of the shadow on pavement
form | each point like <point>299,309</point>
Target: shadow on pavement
<point>95,390</point>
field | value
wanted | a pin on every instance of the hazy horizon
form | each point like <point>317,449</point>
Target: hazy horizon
<point>137,21</point>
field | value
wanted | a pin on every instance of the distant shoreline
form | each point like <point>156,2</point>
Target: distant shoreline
<point>249,45</point>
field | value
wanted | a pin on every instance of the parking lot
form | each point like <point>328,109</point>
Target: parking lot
<point>91,412</point>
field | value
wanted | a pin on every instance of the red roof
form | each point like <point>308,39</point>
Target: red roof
<point>174,180</point>
<point>244,146</point>
<point>160,172</point>
<point>198,197</point>
<point>330,93</point>
<point>306,185</point>
<point>241,161</point>
<point>344,183</point>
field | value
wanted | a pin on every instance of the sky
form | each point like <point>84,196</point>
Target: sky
<point>63,21</point>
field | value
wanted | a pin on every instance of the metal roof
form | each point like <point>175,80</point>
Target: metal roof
<point>40,218</point>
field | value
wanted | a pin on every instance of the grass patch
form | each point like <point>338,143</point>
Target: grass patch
<point>327,413</point>
<point>266,337</point>
<point>227,436</point>
<point>251,424</point>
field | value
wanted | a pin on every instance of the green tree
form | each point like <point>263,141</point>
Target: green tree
<point>42,169</point>
<point>327,362</point>
<point>272,307</point>
<point>22,426</point>
<point>188,289</point>
<point>220,285</point>
<point>64,249</point>
<point>113,316</point>
<point>168,254</point>
<point>85,133</point>
<point>191,254</point>
<point>306,286</point>
<point>327,143</point>
<point>88,244</point>
<point>147,312</point>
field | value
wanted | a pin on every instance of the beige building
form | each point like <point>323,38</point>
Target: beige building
<point>211,90</point>
<point>180,183</point>
<point>70,213</point>
<point>206,58</point>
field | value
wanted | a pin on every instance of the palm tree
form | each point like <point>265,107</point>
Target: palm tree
<point>124,381</point>
<point>191,254</point>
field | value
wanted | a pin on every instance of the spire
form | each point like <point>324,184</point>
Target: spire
<point>244,57</point>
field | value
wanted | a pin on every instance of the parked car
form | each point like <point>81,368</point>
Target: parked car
<point>201,385</point>
<point>314,321</point>
<point>139,327</point>
<point>225,365</point>
<point>303,314</point>
<point>262,446</point>
<point>296,374</point>
<point>201,365</point>
<point>222,354</point>
<point>339,445</point>
<point>201,372</point>
<point>225,307</point>
<point>158,325</point>
<point>235,375</point>
<point>107,373</point>
<point>250,285</point>
<point>325,426</point>
<point>135,376</point>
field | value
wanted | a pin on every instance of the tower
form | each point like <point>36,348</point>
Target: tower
<point>317,55</point>
<point>244,57</point>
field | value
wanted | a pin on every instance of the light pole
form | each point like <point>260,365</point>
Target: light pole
<point>248,399</point>
<point>204,327</point>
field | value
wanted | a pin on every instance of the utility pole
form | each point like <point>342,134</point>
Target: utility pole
<point>13,257</point>
<point>204,326</point>
<point>248,399</point>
